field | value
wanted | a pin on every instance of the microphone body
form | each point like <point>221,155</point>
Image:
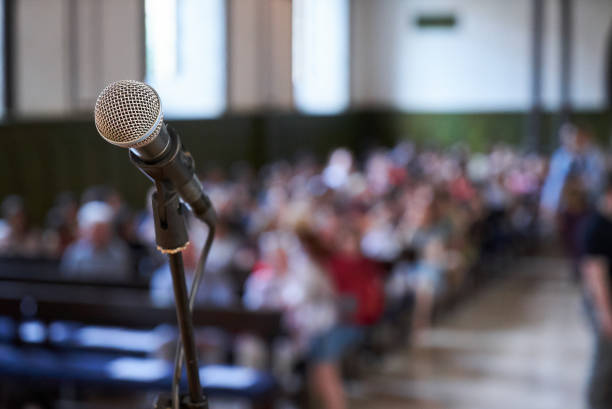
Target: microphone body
<point>128,114</point>
<point>175,164</point>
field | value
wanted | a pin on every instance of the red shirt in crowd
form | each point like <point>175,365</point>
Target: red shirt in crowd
<point>361,279</point>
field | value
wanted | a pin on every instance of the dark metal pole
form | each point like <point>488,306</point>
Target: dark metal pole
<point>535,114</point>
<point>73,54</point>
<point>566,60</point>
<point>10,41</point>
<point>609,70</point>
<point>185,326</point>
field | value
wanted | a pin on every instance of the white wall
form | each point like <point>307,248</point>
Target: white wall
<point>483,64</point>
<point>107,47</point>
<point>41,63</point>
<point>480,64</point>
<point>592,22</point>
<point>260,54</point>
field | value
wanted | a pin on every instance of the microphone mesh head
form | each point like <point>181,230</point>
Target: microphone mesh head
<point>128,114</point>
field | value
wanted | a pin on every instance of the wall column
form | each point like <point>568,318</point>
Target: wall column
<point>535,113</point>
<point>566,61</point>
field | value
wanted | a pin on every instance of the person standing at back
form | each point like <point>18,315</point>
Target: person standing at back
<point>596,266</point>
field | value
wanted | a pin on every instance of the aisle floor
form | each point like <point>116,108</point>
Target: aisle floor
<point>521,342</point>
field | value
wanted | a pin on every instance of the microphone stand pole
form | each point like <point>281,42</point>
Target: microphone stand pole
<point>186,327</point>
<point>171,237</point>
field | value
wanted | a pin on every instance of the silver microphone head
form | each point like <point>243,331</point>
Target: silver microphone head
<point>128,114</point>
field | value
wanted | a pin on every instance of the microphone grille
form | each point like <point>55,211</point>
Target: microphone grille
<point>128,114</point>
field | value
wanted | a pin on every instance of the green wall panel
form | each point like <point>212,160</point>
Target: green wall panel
<point>40,159</point>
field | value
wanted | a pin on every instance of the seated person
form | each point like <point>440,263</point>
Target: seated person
<point>422,280</point>
<point>61,228</point>
<point>17,239</point>
<point>215,289</point>
<point>289,278</point>
<point>426,233</point>
<point>143,257</point>
<point>357,281</point>
<point>359,298</point>
<point>97,253</point>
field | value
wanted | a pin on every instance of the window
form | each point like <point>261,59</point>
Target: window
<point>321,55</point>
<point>185,56</point>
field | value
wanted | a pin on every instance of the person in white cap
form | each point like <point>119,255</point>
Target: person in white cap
<point>98,253</point>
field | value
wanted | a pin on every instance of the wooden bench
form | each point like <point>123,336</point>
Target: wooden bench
<point>98,365</point>
<point>47,271</point>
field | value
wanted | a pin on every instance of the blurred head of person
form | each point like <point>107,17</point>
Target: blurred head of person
<point>17,238</point>
<point>61,223</point>
<point>14,213</point>
<point>272,246</point>
<point>605,199</point>
<point>421,211</point>
<point>96,223</point>
<point>338,168</point>
<point>66,207</point>
<point>190,258</point>
<point>348,242</point>
<point>125,226</point>
<point>103,194</point>
<point>378,172</point>
<point>570,137</point>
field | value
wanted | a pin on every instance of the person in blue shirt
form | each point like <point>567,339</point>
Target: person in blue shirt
<point>577,156</point>
<point>574,182</point>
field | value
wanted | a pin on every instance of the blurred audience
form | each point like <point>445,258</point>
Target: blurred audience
<point>336,247</point>
<point>418,218</point>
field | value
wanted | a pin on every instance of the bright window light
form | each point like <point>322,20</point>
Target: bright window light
<point>185,43</point>
<point>321,55</point>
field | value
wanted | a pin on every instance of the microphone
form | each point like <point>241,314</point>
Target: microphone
<point>128,114</point>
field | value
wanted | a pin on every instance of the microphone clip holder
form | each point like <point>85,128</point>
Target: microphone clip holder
<point>169,218</point>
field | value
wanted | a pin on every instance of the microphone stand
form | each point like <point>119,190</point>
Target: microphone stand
<point>171,237</point>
